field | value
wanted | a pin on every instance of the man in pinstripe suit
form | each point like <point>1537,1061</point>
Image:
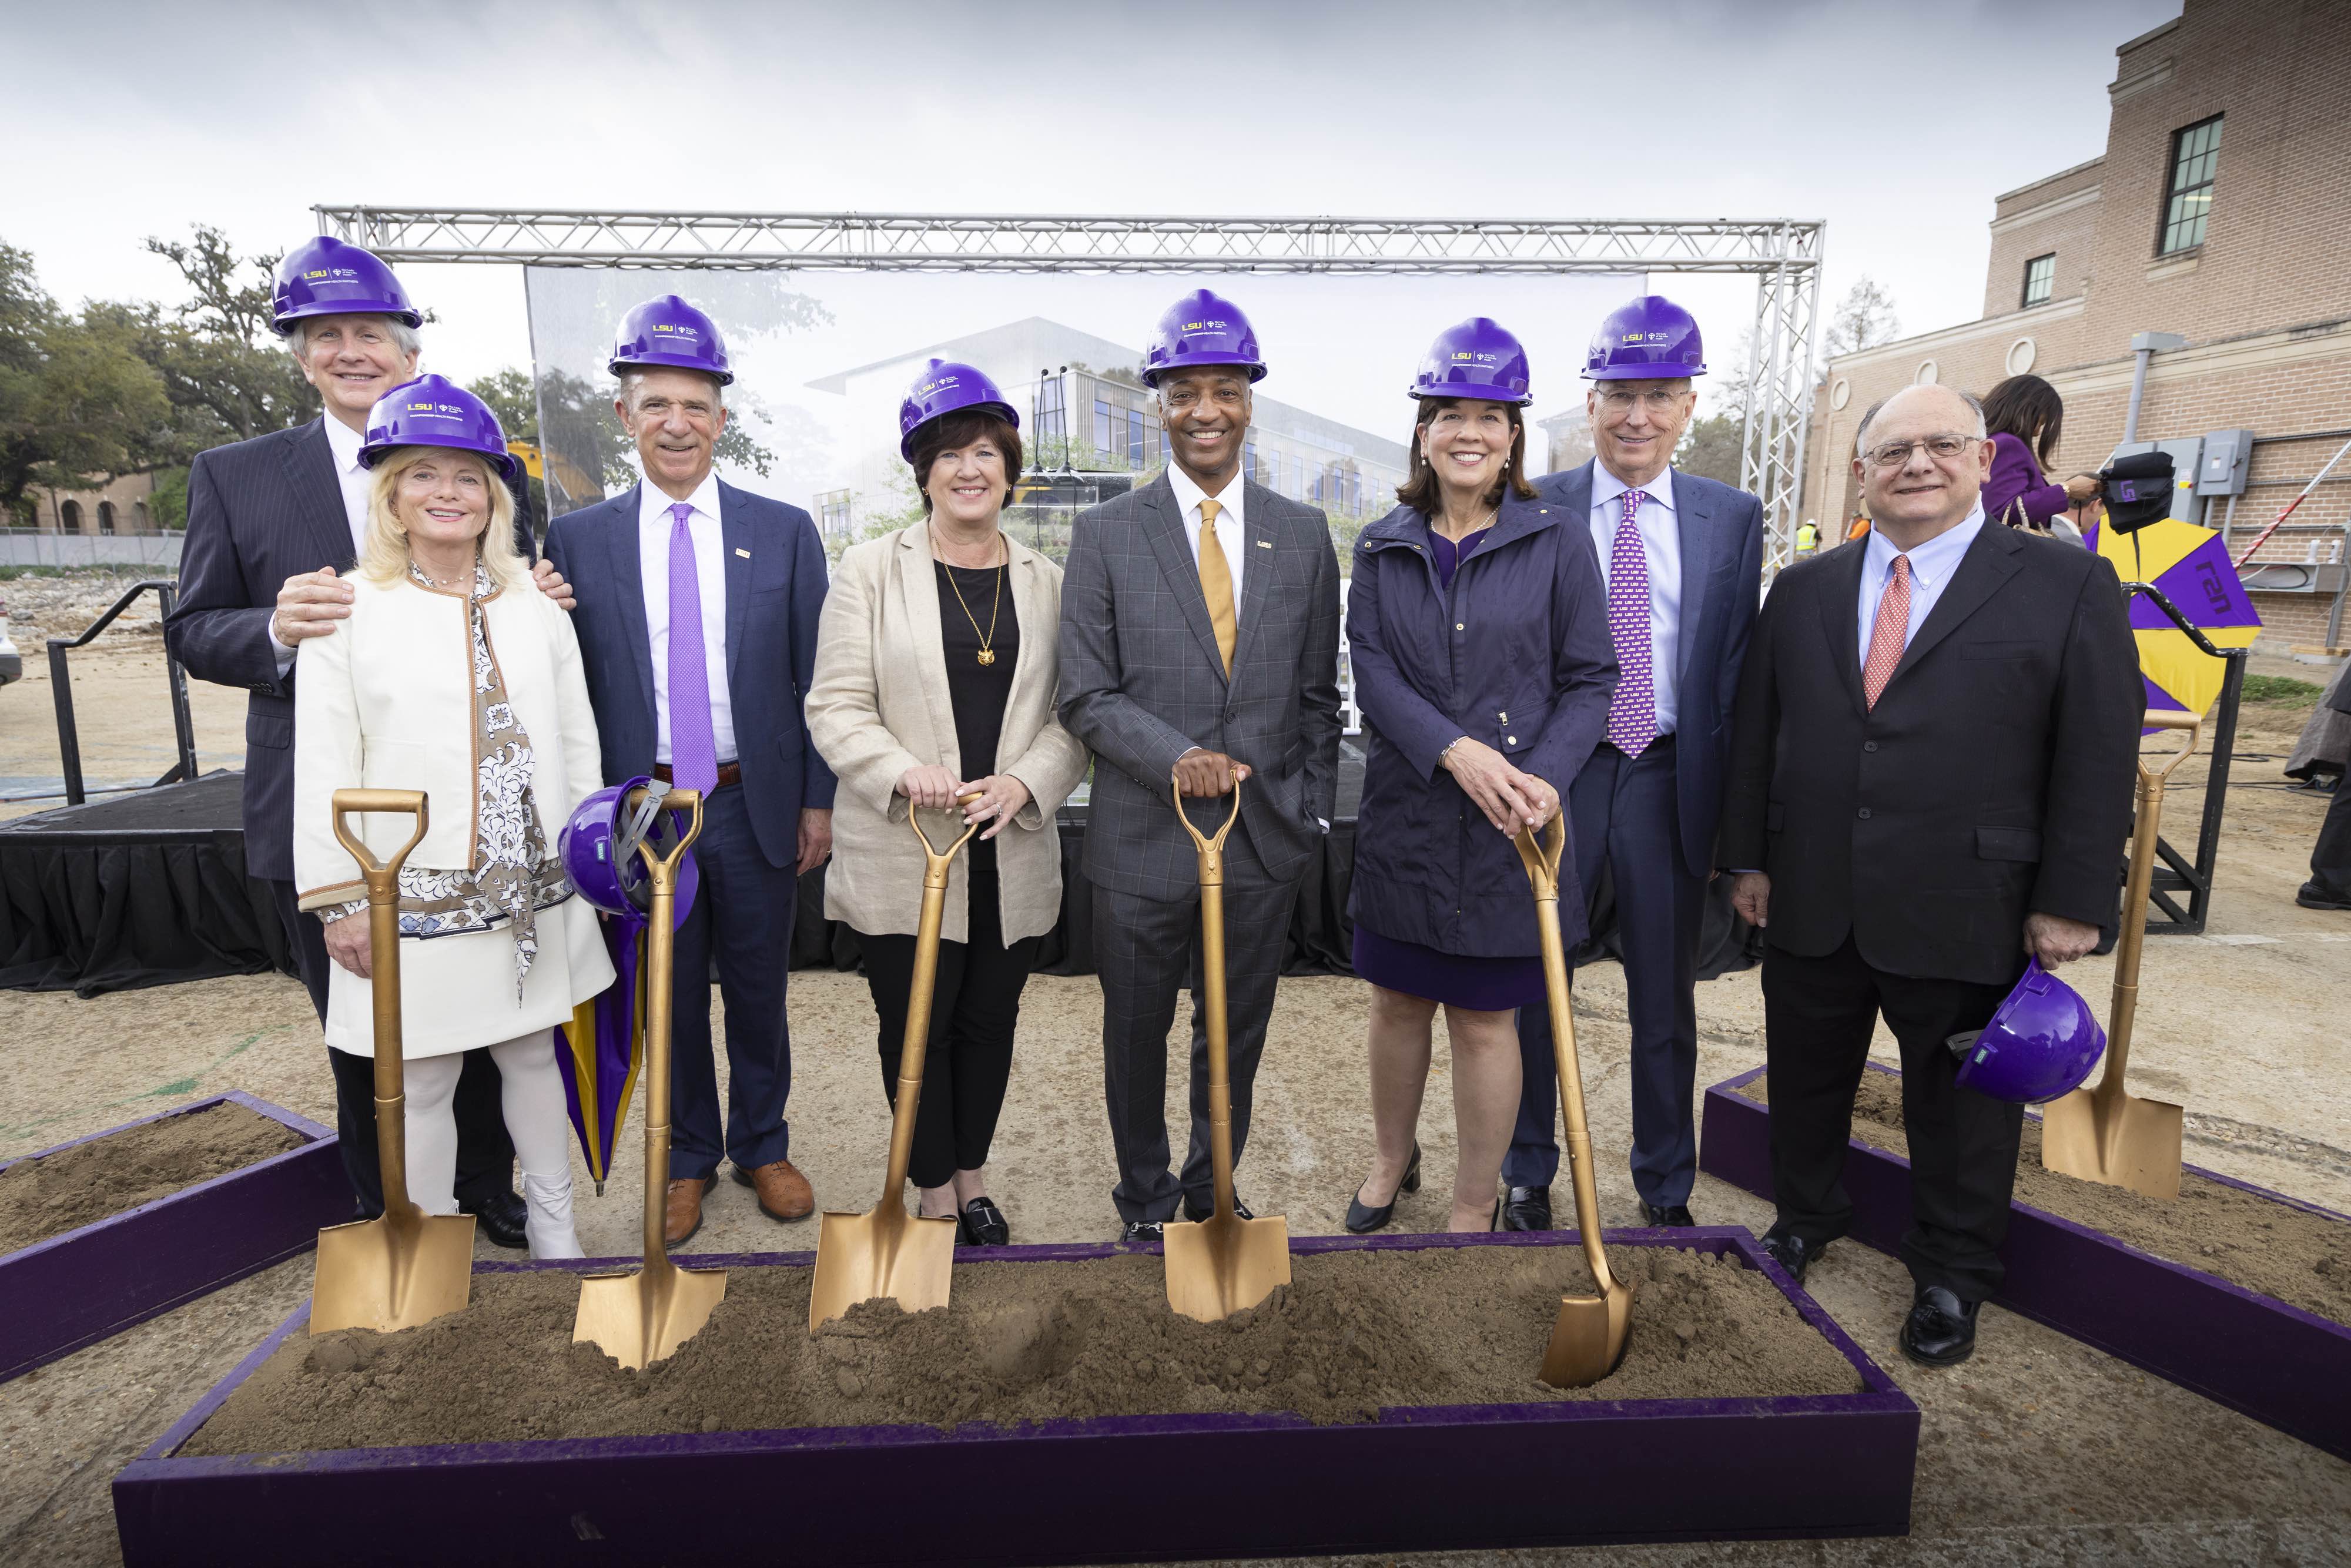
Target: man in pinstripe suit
<point>1200,639</point>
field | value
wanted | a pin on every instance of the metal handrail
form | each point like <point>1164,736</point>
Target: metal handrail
<point>174,676</point>
<point>2178,873</point>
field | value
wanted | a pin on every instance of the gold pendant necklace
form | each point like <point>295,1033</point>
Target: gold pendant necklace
<point>987,654</point>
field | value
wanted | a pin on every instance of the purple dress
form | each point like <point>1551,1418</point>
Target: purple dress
<point>1454,980</point>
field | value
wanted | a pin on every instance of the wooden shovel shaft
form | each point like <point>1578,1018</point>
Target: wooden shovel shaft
<point>660,964</point>
<point>1211,853</point>
<point>382,878</point>
<point>2132,937</point>
<point>1570,1067</point>
<point>916,1049</point>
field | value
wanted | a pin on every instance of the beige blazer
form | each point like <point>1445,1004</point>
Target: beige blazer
<point>880,705</point>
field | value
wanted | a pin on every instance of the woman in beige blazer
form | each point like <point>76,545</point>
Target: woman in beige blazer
<point>935,678</point>
<point>454,675</point>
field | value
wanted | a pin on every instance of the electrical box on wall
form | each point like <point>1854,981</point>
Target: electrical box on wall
<point>2186,463</point>
<point>2227,454</point>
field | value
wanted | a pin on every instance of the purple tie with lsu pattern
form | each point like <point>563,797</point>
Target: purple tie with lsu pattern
<point>1633,711</point>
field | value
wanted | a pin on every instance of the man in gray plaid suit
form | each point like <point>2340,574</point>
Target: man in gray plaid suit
<point>1200,639</point>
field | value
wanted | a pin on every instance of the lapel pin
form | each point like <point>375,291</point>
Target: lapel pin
<point>743,553</point>
<point>1264,544</point>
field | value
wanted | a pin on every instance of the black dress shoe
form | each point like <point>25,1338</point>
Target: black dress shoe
<point>1527,1208</point>
<point>1241,1211</point>
<point>2316,894</point>
<point>500,1218</point>
<point>1793,1253</point>
<point>982,1224</point>
<point>1666,1217</point>
<point>1139,1231</point>
<point>1363,1217</point>
<point>1941,1328</point>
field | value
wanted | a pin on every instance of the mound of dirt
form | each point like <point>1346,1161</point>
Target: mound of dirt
<point>84,1183</point>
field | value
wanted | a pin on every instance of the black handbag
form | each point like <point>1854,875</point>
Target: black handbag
<point>2136,490</point>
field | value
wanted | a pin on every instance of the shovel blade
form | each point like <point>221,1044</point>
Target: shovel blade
<point>886,1254</point>
<point>2124,1141</point>
<point>1588,1338</point>
<point>391,1273</point>
<point>643,1318</point>
<point>1224,1264</point>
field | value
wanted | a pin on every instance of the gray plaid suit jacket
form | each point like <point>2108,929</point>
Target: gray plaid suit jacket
<point>1142,683</point>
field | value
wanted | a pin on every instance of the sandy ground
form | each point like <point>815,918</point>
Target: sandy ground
<point>2038,1451</point>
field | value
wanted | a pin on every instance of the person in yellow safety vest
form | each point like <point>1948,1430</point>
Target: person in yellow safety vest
<point>1808,538</point>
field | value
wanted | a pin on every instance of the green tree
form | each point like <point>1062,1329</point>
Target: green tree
<point>78,407</point>
<point>1711,448</point>
<point>227,373</point>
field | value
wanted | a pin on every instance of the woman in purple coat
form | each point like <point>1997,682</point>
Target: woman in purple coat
<point>2024,416</point>
<point>1478,631</point>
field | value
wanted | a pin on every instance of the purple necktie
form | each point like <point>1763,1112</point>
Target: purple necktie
<point>1633,711</point>
<point>693,750</point>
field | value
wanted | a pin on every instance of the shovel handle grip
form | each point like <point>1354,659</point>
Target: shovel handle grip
<point>1206,844</point>
<point>936,859</point>
<point>690,802</point>
<point>387,801</point>
<point>2167,719</point>
<point>1541,857</point>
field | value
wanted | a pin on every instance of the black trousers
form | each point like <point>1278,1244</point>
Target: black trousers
<point>1818,1015</point>
<point>2330,858</point>
<point>484,1153</point>
<point>974,1009</point>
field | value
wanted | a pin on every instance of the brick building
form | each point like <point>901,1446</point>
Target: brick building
<point>2221,212</point>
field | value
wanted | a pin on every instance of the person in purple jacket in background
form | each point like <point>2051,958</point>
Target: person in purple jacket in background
<point>2024,416</point>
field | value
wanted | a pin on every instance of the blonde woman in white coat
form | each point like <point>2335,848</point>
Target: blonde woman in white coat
<point>936,676</point>
<point>454,676</point>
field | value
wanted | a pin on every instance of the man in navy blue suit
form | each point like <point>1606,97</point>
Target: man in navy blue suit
<point>272,522</point>
<point>1682,558</point>
<point>698,620</point>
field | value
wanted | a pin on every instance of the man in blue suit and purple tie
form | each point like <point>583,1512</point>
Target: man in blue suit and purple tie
<point>1683,560</point>
<point>697,619</point>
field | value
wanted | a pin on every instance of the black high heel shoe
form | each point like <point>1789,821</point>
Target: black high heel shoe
<point>1363,1217</point>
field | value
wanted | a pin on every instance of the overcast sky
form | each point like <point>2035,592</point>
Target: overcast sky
<point>1896,122</point>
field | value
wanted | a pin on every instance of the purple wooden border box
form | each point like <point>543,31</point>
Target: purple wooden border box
<point>2281,1365</point>
<point>1122,1489</point>
<point>76,1289</point>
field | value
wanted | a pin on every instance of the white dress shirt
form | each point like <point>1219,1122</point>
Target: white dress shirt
<point>1661,542</point>
<point>1232,536</point>
<point>654,527</point>
<point>344,443</point>
<point>1931,567</point>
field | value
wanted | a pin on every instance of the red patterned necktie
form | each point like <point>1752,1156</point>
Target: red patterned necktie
<point>1890,633</point>
<point>1633,711</point>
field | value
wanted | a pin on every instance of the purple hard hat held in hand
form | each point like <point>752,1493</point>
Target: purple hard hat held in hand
<point>945,387</point>
<point>1649,339</point>
<point>433,410</point>
<point>2040,1045</point>
<point>1478,358</point>
<point>667,333</point>
<point>326,276</point>
<point>1201,328</point>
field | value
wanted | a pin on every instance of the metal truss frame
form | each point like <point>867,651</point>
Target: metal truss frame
<point>1783,256</point>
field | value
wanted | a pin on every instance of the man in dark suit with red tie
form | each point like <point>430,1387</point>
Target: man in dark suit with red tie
<point>1931,778</point>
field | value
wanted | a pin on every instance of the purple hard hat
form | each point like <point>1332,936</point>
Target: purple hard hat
<point>1201,329</point>
<point>1650,340</point>
<point>2041,1044</point>
<point>599,849</point>
<point>1478,359</point>
<point>669,332</point>
<point>326,276</point>
<point>946,387</point>
<point>433,410</point>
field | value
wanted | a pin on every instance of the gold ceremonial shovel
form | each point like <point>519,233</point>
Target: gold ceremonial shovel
<point>408,1267</point>
<point>1588,1338</point>
<point>2104,1134</point>
<point>889,1253</point>
<point>642,1318</point>
<point>1220,1265</point>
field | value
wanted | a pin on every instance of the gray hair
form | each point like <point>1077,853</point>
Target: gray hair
<point>634,377</point>
<point>403,336</point>
<point>1869,417</point>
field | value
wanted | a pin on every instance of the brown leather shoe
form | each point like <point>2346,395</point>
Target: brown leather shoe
<point>784,1193</point>
<point>682,1215</point>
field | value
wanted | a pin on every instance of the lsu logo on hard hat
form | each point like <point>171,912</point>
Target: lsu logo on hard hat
<point>1203,327</point>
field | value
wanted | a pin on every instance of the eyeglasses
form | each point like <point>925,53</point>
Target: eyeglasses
<point>1655,402</point>
<point>1893,454</point>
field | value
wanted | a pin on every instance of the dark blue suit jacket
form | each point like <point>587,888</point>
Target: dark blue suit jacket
<point>260,512</point>
<point>775,591</point>
<point>1722,578</point>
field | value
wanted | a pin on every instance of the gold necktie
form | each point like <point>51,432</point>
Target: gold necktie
<point>1217,581</point>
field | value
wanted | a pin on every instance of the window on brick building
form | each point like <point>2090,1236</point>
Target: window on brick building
<point>2195,156</point>
<point>2040,279</point>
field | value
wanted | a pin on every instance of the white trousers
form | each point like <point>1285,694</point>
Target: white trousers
<point>538,1117</point>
